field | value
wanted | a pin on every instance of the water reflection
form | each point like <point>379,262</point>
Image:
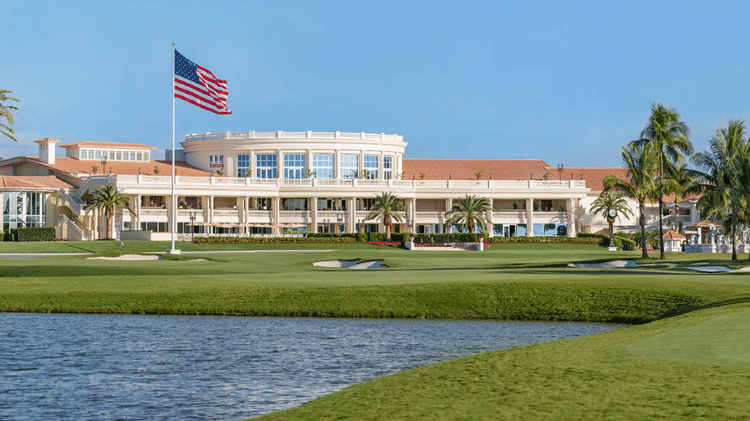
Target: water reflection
<point>76,367</point>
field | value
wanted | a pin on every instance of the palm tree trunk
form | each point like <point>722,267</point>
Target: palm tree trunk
<point>734,237</point>
<point>388,232</point>
<point>611,232</point>
<point>661,204</point>
<point>644,252</point>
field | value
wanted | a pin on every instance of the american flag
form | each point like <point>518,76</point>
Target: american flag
<point>198,86</point>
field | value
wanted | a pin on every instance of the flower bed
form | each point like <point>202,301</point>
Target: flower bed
<point>385,243</point>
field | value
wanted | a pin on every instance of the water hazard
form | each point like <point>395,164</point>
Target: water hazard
<point>96,367</point>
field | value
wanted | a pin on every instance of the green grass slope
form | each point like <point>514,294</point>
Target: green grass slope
<point>611,376</point>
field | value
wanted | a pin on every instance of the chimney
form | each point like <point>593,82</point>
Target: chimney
<point>47,149</point>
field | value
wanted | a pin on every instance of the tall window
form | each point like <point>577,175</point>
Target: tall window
<point>23,210</point>
<point>323,166</point>
<point>371,167</point>
<point>387,167</point>
<point>216,161</point>
<point>243,165</point>
<point>349,166</point>
<point>294,166</point>
<point>266,166</point>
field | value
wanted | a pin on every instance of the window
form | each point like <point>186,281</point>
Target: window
<point>132,156</point>
<point>371,167</point>
<point>125,156</point>
<point>349,164</point>
<point>216,161</point>
<point>294,166</point>
<point>387,167</point>
<point>323,166</point>
<point>98,154</point>
<point>118,155</point>
<point>23,210</point>
<point>266,166</point>
<point>295,204</point>
<point>111,154</point>
<point>139,156</point>
<point>146,156</point>
<point>243,165</point>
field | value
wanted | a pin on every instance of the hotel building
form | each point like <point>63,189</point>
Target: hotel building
<point>287,183</point>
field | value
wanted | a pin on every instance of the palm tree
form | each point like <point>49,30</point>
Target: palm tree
<point>6,115</point>
<point>680,182</point>
<point>667,136</point>
<point>721,178</point>
<point>385,207</point>
<point>640,185</point>
<point>107,200</point>
<point>611,206</point>
<point>469,211</point>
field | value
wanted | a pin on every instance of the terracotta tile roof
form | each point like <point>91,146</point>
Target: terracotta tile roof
<point>594,177</point>
<point>465,169</point>
<point>76,166</point>
<point>673,235</point>
<point>107,145</point>
<point>703,224</point>
<point>47,139</point>
<point>33,182</point>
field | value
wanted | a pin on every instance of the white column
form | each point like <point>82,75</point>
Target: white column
<point>530,217</point>
<point>351,208</point>
<point>571,218</point>
<point>314,214</point>
<point>137,218</point>
<point>276,214</point>
<point>448,207</point>
<point>336,166</point>
<point>280,163</point>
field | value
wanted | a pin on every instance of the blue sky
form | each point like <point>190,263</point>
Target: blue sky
<point>567,82</point>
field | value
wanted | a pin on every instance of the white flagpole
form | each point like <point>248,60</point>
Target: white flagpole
<point>174,205</point>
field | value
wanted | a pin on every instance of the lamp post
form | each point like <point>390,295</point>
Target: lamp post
<point>192,226</point>
<point>327,227</point>
<point>339,220</point>
<point>560,169</point>
<point>104,164</point>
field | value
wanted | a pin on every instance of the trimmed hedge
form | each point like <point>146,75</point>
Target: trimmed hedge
<point>31,234</point>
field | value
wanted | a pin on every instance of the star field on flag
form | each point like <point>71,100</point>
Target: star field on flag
<point>198,86</point>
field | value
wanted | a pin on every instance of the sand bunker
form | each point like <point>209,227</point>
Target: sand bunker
<point>129,257</point>
<point>632,264</point>
<point>605,265</point>
<point>351,264</point>
<point>715,269</point>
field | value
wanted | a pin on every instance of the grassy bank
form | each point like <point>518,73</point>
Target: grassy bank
<point>618,375</point>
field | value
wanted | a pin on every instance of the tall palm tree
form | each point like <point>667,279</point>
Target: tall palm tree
<point>469,211</point>
<point>743,181</point>
<point>667,136</point>
<point>611,207</point>
<point>107,200</point>
<point>385,207</point>
<point>640,185</point>
<point>6,115</point>
<point>720,178</point>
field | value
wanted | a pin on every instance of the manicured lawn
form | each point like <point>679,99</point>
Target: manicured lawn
<point>689,360</point>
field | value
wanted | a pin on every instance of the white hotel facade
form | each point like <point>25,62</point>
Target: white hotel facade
<point>277,183</point>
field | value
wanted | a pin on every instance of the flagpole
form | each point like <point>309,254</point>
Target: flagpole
<point>174,205</point>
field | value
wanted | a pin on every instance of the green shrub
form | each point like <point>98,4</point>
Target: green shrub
<point>361,237</point>
<point>32,234</point>
<point>560,240</point>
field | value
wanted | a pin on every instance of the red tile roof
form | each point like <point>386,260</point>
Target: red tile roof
<point>33,182</point>
<point>673,235</point>
<point>465,169</point>
<point>76,166</point>
<point>107,145</point>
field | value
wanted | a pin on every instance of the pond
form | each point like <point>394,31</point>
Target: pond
<point>95,367</point>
